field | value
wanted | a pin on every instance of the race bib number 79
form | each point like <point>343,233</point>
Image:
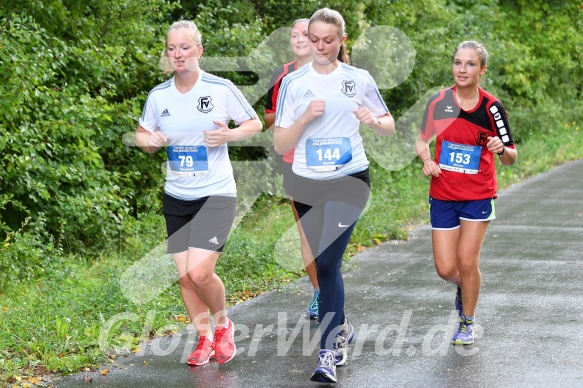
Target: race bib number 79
<point>187,160</point>
<point>460,157</point>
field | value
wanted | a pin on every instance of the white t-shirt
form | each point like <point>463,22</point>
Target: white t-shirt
<point>194,170</point>
<point>331,145</point>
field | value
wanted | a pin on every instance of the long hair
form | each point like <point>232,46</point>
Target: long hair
<point>331,16</point>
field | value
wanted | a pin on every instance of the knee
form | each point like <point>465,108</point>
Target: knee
<point>467,267</point>
<point>446,271</point>
<point>200,279</point>
<point>185,282</point>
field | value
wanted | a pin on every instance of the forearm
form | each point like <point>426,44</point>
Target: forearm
<point>142,137</point>
<point>246,130</point>
<point>422,149</point>
<point>384,125</point>
<point>508,157</point>
<point>284,139</point>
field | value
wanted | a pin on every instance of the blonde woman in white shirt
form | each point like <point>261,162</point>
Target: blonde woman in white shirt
<point>188,115</point>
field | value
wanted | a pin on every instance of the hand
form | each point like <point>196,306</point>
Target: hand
<point>431,168</point>
<point>157,139</point>
<point>218,136</point>
<point>495,145</point>
<point>366,117</point>
<point>315,109</point>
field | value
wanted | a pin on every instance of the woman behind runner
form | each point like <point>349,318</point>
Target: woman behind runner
<point>299,45</point>
<point>320,109</point>
<point>471,127</point>
<point>188,114</point>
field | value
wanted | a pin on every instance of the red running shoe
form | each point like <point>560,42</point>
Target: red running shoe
<point>224,343</point>
<point>205,350</point>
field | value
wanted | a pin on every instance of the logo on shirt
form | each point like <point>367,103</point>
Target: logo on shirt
<point>449,109</point>
<point>165,113</point>
<point>309,94</point>
<point>482,138</point>
<point>205,104</point>
<point>349,88</point>
<point>214,240</point>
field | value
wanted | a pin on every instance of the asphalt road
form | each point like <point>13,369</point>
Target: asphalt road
<point>530,313</point>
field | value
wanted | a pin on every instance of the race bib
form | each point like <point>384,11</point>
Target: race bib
<point>460,157</point>
<point>187,160</point>
<point>328,154</point>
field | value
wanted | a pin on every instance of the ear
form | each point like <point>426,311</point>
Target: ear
<point>483,70</point>
<point>343,39</point>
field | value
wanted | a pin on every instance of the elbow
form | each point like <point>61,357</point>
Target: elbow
<point>278,149</point>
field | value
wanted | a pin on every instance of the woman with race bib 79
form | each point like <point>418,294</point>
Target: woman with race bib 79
<point>188,114</point>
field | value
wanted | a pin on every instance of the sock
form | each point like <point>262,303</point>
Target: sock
<point>226,326</point>
<point>316,290</point>
<point>470,319</point>
<point>209,337</point>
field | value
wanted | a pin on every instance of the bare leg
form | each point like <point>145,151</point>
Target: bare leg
<point>445,251</point>
<point>306,252</point>
<point>470,244</point>
<point>208,285</point>
<point>197,310</point>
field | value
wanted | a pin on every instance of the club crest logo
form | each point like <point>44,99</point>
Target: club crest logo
<point>205,104</point>
<point>349,88</point>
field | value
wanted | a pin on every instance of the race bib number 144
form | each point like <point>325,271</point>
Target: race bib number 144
<point>328,154</point>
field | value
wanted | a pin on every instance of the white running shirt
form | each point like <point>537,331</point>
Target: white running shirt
<point>194,170</point>
<point>330,146</point>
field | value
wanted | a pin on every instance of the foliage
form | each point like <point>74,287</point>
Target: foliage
<point>73,80</point>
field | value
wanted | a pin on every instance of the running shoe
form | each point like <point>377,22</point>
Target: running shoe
<point>466,333</point>
<point>458,301</point>
<point>224,343</point>
<point>344,338</point>
<point>312,309</point>
<point>205,350</point>
<point>325,372</point>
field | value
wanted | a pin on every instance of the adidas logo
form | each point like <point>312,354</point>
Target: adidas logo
<point>309,94</point>
<point>214,240</point>
<point>165,113</point>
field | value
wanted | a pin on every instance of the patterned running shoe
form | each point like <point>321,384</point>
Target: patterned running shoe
<point>344,338</point>
<point>224,343</point>
<point>325,372</point>
<point>312,308</point>
<point>466,332</point>
<point>205,350</point>
<point>458,301</point>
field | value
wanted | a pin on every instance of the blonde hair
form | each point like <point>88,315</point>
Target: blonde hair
<point>477,47</point>
<point>195,34</point>
<point>331,16</point>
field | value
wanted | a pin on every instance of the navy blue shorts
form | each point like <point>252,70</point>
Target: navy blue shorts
<point>447,214</point>
<point>202,223</point>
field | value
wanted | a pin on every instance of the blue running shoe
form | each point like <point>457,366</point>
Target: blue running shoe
<point>312,309</point>
<point>325,372</point>
<point>466,333</point>
<point>458,301</point>
<point>344,338</point>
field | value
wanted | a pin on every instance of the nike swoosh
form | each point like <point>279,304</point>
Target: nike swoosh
<point>342,226</point>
